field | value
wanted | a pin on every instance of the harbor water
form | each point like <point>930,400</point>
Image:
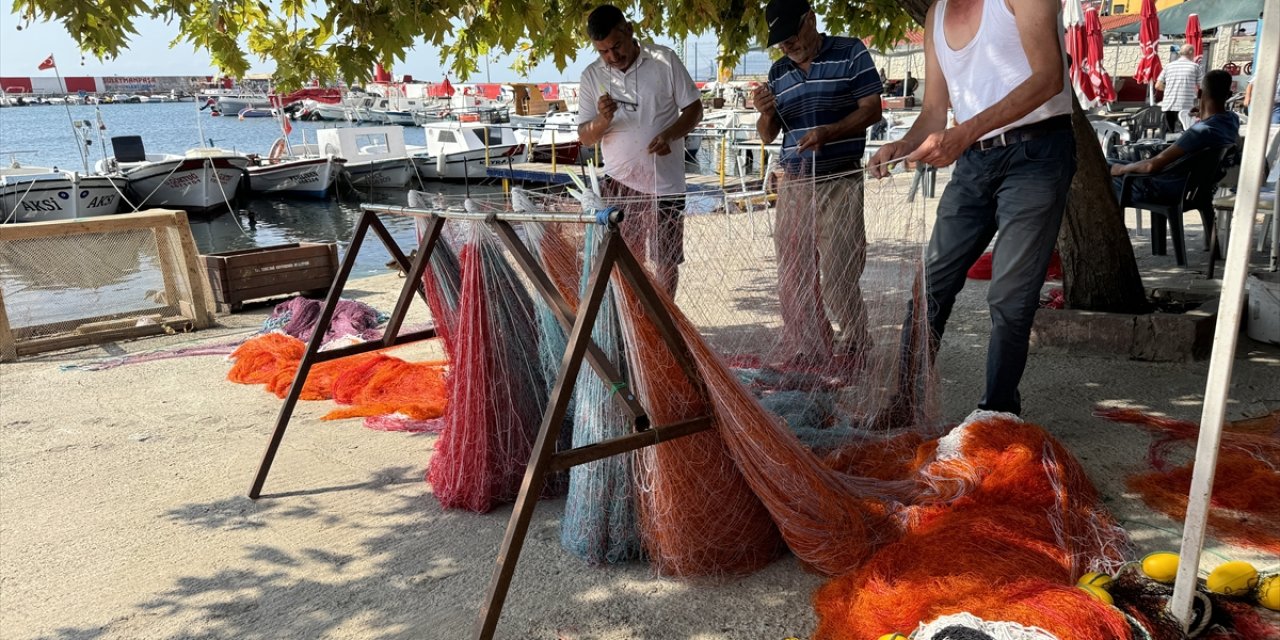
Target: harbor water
<point>42,136</point>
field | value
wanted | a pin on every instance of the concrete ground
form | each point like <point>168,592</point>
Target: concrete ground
<point>123,512</point>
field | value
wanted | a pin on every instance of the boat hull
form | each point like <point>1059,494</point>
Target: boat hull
<point>391,173</point>
<point>196,185</point>
<point>45,199</point>
<point>467,165</point>
<point>308,177</point>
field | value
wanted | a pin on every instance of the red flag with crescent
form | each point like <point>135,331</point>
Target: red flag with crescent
<point>47,64</point>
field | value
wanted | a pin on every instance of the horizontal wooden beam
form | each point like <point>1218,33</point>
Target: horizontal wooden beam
<point>622,444</point>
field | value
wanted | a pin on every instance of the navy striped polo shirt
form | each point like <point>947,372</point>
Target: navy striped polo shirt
<point>838,77</point>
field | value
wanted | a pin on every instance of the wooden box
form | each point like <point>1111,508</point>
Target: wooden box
<point>239,276</point>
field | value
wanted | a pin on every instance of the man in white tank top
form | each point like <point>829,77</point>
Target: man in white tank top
<point>999,65</point>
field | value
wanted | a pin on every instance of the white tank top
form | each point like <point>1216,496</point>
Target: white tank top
<point>991,66</point>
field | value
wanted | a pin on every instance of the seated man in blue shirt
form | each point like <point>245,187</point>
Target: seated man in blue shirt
<point>1217,127</point>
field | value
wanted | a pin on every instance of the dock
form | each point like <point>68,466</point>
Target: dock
<point>545,173</point>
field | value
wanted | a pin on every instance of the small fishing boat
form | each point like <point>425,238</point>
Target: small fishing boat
<point>460,150</point>
<point>375,156</point>
<point>38,194</point>
<point>287,170</point>
<point>200,180</point>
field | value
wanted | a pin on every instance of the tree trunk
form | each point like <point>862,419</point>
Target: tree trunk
<point>1099,270</point>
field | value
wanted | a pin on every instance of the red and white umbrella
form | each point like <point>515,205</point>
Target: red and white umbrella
<point>1149,67</point>
<point>1078,52</point>
<point>1194,37</point>
<point>1103,90</point>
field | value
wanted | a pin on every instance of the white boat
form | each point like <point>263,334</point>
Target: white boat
<point>235,103</point>
<point>376,156</point>
<point>37,194</point>
<point>459,150</point>
<point>201,180</point>
<point>286,172</point>
<point>559,131</point>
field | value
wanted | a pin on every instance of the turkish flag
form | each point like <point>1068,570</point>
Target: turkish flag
<point>47,64</point>
<point>288,128</point>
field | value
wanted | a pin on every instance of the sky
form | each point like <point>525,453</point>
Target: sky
<point>149,54</point>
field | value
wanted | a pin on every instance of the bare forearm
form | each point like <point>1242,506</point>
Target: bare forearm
<point>592,132</point>
<point>689,118</point>
<point>768,126</point>
<point>856,123</point>
<point>929,122</point>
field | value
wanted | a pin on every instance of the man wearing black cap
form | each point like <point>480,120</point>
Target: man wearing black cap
<point>1014,154</point>
<point>821,95</point>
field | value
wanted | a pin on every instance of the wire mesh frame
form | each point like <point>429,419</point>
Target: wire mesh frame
<point>580,348</point>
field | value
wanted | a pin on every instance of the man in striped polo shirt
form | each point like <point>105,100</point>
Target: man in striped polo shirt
<point>821,96</point>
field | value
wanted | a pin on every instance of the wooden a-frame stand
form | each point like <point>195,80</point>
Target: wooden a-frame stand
<point>613,256</point>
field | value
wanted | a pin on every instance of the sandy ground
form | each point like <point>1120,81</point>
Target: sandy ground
<point>123,512</point>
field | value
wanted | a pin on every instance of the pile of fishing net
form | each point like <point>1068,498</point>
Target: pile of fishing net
<point>388,392</point>
<point>825,438</point>
<point>1245,506</point>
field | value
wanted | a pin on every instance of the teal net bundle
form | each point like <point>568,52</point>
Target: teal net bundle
<point>797,318</point>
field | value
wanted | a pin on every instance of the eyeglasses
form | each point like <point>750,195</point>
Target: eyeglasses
<point>627,106</point>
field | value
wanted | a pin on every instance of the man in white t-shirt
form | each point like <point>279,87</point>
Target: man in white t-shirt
<point>639,102</point>
<point>1180,81</point>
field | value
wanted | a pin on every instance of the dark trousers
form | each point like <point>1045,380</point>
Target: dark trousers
<point>1021,191</point>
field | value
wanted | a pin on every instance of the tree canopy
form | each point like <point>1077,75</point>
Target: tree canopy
<point>344,39</point>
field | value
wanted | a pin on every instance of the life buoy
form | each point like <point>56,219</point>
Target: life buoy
<point>469,117</point>
<point>277,150</point>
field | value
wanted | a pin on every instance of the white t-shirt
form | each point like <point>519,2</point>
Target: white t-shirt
<point>650,95</point>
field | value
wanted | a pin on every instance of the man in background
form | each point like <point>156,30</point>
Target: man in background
<point>1217,128</point>
<point>639,102</point>
<point>822,95</point>
<point>1179,81</point>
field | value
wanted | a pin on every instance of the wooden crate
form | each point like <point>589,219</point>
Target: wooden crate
<point>250,274</point>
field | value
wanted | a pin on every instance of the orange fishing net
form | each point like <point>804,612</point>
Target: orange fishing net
<point>374,384</point>
<point>1245,506</point>
<point>1013,521</point>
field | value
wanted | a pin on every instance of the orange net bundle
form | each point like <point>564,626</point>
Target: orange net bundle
<point>698,516</point>
<point>374,384</point>
<point>1245,506</point>
<point>1011,523</point>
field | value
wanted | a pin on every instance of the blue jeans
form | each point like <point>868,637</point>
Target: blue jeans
<point>1021,191</point>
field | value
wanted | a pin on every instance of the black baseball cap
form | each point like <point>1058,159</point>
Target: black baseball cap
<point>784,18</point>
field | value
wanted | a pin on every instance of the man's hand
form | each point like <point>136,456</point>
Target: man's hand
<point>879,165</point>
<point>660,145</point>
<point>814,140</point>
<point>1118,170</point>
<point>763,100</point>
<point>941,148</point>
<point>606,107</point>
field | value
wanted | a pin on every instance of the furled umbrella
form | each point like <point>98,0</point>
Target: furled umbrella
<point>1149,66</point>
<point>1077,51</point>
<point>1103,90</point>
<point>1194,37</point>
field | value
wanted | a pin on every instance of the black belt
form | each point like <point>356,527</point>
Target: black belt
<point>1024,133</point>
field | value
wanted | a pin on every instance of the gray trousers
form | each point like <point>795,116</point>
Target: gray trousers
<point>1021,191</point>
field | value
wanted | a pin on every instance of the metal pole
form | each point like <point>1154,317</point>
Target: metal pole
<point>1228,327</point>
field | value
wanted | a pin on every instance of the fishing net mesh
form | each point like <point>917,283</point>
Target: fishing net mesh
<point>78,279</point>
<point>798,341</point>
